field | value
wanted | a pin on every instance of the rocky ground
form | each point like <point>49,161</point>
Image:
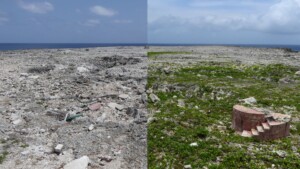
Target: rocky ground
<point>245,55</point>
<point>59,105</point>
<point>192,91</point>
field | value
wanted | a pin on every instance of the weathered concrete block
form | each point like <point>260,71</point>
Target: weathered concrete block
<point>248,122</point>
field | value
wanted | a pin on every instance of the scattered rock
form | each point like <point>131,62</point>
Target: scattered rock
<point>49,98</point>
<point>91,127</point>
<point>33,77</point>
<point>106,158</point>
<point>250,100</point>
<point>58,148</point>
<point>187,166</point>
<point>124,96</point>
<point>95,106</point>
<point>181,103</point>
<point>102,118</point>
<point>297,73</point>
<point>82,70</point>
<point>116,106</point>
<point>281,153</point>
<point>17,122</point>
<point>295,149</point>
<point>194,144</point>
<point>286,80</point>
<point>42,69</point>
<point>131,111</point>
<point>24,74</point>
<point>167,70</point>
<point>5,101</point>
<point>154,98</point>
<point>144,98</point>
<point>81,163</point>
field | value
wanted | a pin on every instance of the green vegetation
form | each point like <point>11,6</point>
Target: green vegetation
<point>3,156</point>
<point>2,141</point>
<point>209,91</point>
<point>153,55</point>
<point>24,145</point>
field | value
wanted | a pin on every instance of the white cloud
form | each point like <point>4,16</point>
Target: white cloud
<point>282,17</point>
<point>99,10</point>
<point>91,22</point>
<point>37,7</point>
<point>122,21</point>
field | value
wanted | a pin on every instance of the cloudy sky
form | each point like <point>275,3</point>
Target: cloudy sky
<point>224,21</point>
<point>73,21</point>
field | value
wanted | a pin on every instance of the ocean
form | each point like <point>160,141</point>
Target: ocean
<point>21,46</point>
<point>292,47</point>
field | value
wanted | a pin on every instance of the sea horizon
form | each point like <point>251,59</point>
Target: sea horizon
<point>28,46</point>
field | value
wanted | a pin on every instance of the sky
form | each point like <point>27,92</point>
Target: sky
<point>73,21</point>
<point>224,21</point>
<point>167,21</point>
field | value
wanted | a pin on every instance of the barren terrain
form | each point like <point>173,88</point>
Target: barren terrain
<point>89,101</point>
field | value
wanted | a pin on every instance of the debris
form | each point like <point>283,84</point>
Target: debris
<point>58,148</point>
<point>70,117</point>
<point>66,103</point>
<point>95,106</point>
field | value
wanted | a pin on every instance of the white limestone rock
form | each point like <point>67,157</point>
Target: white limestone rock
<point>81,163</point>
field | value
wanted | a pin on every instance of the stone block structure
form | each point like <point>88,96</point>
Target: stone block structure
<point>253,123</point>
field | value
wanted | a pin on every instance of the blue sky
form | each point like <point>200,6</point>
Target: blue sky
<point>224,21</point>
<point>73,21</point>
<point>168,21</point>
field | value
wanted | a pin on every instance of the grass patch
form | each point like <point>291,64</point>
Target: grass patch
<point>3,156</point>
<point>209,91</point>
<point>153,55</point>
<point>24,145</point>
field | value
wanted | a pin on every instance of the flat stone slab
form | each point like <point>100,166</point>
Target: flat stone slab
<point>115,106</point>
<point>81,163</point>
<point>95,106</point>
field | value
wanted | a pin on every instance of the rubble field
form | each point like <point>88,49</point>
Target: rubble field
<point>73,108</point>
